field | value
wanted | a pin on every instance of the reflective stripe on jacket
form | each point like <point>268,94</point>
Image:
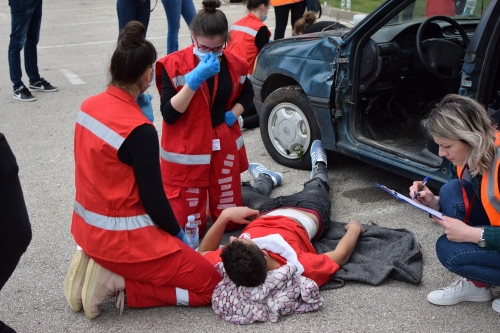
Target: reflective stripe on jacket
<point>243,34</point>
<point>490,193</point>
<point>109,219</point>
<point>186,145</point>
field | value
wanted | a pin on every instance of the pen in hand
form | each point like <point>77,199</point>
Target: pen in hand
<point>421,187</point>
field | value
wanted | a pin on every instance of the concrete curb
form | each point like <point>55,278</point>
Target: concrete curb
<point>337,13</point>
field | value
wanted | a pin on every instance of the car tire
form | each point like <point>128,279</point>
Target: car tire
<point>287,122</point>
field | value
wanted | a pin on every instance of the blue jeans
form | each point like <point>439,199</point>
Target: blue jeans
<point>174,9</point>
<point>314,196</point>
<point>132,10</point>
<point>469,260</point>
<point>452,203</point>
<point>466,259</point>
<point>26,19</point>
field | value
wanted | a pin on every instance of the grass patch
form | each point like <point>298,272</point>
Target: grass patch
<point>362,6</point>
<point>367,6</point>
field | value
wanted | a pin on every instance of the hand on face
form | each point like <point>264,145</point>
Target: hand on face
<point>206,68</point>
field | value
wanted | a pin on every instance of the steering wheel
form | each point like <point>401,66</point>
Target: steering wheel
<point>441,58</point>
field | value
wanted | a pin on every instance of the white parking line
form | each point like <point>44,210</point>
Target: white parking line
<point>72,77</point>
<point>101,42</point>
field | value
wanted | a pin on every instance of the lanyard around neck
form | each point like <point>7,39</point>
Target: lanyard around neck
<point>468,207</point>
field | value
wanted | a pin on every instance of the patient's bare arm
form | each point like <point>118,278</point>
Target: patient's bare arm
<point>346,246</point>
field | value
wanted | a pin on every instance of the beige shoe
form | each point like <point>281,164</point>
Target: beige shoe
<point>100,283</point>
<point>73,283</point>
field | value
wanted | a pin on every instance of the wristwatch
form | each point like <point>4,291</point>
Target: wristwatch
<point>481,242</point>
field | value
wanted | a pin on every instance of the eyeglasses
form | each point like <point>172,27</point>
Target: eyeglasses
<point>204,48</point>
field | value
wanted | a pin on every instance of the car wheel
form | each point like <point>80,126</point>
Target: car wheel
<point>288,127</point>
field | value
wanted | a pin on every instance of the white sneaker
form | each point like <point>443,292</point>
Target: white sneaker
<point>460,290</point>
<point>496,305</point>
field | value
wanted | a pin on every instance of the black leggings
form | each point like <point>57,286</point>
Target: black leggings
<point>281,15</point>
<point>250,117</point>
<point>15,227</point>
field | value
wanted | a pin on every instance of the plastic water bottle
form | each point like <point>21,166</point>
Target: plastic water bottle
<point>348,5</point>
<point>342,4</point>
<point>192,232</point>
<point>469,8</point>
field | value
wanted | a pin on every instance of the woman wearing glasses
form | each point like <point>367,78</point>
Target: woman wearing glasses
<point>470,201</point>
<point>203,91</point>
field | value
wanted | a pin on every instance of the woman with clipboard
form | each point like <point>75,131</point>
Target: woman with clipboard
<point>470,201</point>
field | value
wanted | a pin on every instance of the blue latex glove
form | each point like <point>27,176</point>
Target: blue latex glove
<point>229,118</point>
<point>207,68</point>
<point>182,236</point>
<point>144,101</point>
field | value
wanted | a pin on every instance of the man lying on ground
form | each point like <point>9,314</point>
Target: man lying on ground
<point>281,230</point>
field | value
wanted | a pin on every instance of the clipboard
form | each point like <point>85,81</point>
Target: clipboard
<point>401,197</point>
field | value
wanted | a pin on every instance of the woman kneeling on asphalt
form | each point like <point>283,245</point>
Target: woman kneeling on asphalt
<point>122,219</point>
<point>470,201</point>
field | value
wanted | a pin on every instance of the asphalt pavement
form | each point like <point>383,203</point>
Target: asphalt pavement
<point>76,44</point>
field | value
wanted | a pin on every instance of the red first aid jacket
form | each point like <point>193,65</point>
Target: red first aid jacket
<point>109,219</point>
<point>186,145</point>
<point>440,7</point>
<point>242,41</point>
<point>490,193</point>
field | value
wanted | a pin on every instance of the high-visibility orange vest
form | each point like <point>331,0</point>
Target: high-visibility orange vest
<point>186,145</point>
<point>242,41</point>
<point>109,219</point>
<point>276,3</point>
<point>490,193</point>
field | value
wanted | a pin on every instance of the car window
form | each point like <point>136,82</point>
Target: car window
<point>422,9</point>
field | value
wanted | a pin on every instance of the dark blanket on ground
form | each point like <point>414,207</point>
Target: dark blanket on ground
<point>380,253</point>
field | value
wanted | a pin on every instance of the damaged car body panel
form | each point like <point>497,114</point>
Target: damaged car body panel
<point>364,91</point>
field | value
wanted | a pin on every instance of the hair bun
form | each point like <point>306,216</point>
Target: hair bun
<point>309,17</point>
<point>131,35</point>
<point>210,6</point>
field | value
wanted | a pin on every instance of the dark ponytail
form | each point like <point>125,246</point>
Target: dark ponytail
<point>210,22</point>
<point>253,4</point>
<point>133,55</point>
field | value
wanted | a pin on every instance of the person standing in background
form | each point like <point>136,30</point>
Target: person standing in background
<point>247,37</point>
<point>15,227</point>
<point>133,10</point>
<point>174,9</point>
<point>281,9</point>
<point>26,20</point>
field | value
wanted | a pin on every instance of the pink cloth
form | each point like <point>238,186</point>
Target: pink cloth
<point>282,293</point>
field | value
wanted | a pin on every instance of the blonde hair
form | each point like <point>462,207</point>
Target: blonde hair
<point>462,118</point>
